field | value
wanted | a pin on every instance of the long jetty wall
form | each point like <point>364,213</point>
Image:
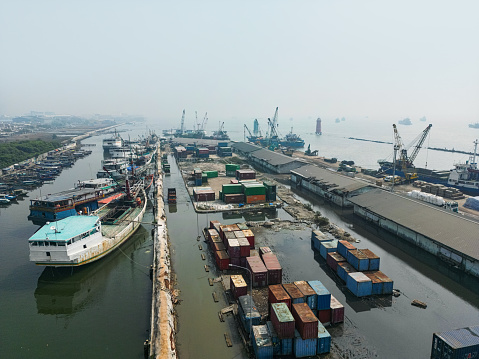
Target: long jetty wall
<point>162,333</point>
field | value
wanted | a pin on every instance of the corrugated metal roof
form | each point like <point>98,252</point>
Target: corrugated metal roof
<point>335,180</point>
<point>245,147</point>
<point>274,158</point>
<point>450,229</point>
<point>460,338</point>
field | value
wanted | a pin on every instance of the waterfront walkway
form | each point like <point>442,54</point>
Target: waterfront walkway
<point>162,334</point>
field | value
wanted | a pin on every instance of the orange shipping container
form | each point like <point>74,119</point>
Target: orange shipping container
<point>259,198</point>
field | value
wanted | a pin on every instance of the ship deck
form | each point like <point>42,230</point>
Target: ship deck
<point>111,230</point>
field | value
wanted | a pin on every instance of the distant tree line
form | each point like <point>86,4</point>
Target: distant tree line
<point>15,152</point>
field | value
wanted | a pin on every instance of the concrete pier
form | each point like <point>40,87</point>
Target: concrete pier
<point>162,334</point>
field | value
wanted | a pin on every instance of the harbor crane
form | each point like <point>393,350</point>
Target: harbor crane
<point>182,126</point>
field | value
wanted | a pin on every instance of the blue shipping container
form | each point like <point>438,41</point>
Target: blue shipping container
<point>198,182</point>
<point>246,304</point>
<point>304,347</point>
<point>323,301</point>
<point>359,284</point>
<point>274,338</point>
<point>358,260</point>
<point>222,144</point>
<point>343,250</point>
<point>317,242</point>
<point>455,344</point>
<point>324,340</point>
<point>326,247</point>
<point>262,344</point>
<point>344,269</point>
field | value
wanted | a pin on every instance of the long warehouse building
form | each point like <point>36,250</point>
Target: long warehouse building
<point>445,234</point>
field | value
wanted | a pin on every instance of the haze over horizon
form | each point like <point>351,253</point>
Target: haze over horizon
<point>236,61</point>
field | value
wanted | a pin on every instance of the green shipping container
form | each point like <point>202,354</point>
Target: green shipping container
<point>211,174</point>
<point>232,189</point>
<point>204,178</point>
<point>270,191</point>
<point>232,167</point>
<point>254,189</point>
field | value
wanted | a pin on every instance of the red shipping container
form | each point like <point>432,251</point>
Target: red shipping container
<point>233,247</point>
<point>264,250</point>
<point>324,316</point>
<point>337,311</point>
<point>212,224</point>
<point>227,236</point>
<point>222,260</point>
<point>249,236</point>
<point>294,293</point>
<point>217,227</point>
<point>204,196</point>
<point>305,289</point>
<point>245,174</point>
<point>234,181</point>
<point>275,272</point>
<point>218,246</point>
<point>233,198</point>
<point>277,294</point>
<point>244,247</point>
<point>238,285</point>
<point>306,321</point>
<point>212,232</point>
<point>258,271</point>
<point>283,320</point>
<point>333,259</point>
<point>258,198</point>
<point>223,228</point>
<point>235,261</point>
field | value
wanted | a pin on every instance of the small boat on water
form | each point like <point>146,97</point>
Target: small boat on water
<point>4,199</point>
<point>82,239</point>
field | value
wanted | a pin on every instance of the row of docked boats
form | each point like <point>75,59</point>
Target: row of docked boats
<point>89,221</point>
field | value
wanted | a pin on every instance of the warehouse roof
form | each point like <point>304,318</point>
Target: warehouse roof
<point>334,180</point>
<point>448,228</point>
<point>245,147</point>
<point>274,158</point>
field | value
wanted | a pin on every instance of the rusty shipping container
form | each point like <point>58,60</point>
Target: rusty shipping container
<point>344,247</point>
<point>337,311</point>
<point>283,320</point>
<point>311,298</point>
<point>204,196</point>
<point>218,246</point>
<point>333,259</point>
<point>248,233</point>
<point>259,198</point>
<point>264,250</point>
<point>212,232</point>
<point>213,224</point>
<point>294,293</point>
<point>358,260</point>
<point>324,316</point>
<point>275,272</point>
<point>277,294</point>
<point>233,247</point>
<point>306,321</point>
<point>373,259</point>
<point>258,271</point>
<point>244,246</point>
<point>387,282</point>
<point>238,285</point>
<point>377,283</point>
<point>222,260</point>
<point>245,174</point>
<point>344,269</point>
<point>234,198</point>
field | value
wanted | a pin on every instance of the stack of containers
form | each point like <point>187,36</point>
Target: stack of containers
<point>373,259</point>
<point>264,250</point>
<point>317,237</point>
<point>234,249</point>
<point>249,236</point>
<point>326,247</point>
<point>324,340</point>
<point>244,250</point>
<point>270,191</point>
<point>258,271</point>
<point>333,259</point>
<point>377,284</point>
<point>245,174</point>
<point>359,284</point>
<point>238,286</point>
<point>277,294</point>
<point>222,144</point>
<point>202,152</point>
<point>262,344</point>
<point>275,272</point>
<point>323,301</point>
<point>294,293</point>
<point>306,333</point>
<point>231,189</point>
<point>274,339</point>
<point>248,313</point>
<point>310,296</point>
<point>222,260</point>
<point>283,323</point>
<point>358,260</point>
<point>233,198</point>
<point>254,193</point>
<point>198,175</point>
<point>231,169</point>
<point>337,311</point>
<point>386,282</point>
<point>344,247</point>
<point>224,152</point>
<point>344,269</point>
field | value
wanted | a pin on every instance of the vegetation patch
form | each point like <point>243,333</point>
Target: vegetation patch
<point>15,152</point>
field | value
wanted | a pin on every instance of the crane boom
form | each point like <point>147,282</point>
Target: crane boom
<point>417,147</point>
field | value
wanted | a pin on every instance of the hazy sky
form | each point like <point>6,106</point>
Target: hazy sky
<point>381,59</point>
